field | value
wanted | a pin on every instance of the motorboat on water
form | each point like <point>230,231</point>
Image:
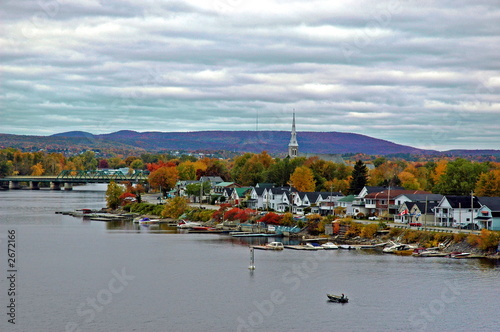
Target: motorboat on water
<point>330,246</point>
<point>337,298</point>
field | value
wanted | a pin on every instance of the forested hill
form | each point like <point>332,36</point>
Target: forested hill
<point>252,141</point>
<point>238,141</point>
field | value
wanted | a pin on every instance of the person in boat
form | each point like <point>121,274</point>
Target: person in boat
<point>343,296</point>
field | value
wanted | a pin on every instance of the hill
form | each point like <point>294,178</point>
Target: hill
<point>276,142</point>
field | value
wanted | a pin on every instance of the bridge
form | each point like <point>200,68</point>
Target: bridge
<point>68,178</point>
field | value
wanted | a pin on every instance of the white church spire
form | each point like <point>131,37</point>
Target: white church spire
<point>293,146</point>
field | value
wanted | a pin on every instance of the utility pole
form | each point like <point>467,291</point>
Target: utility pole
<point>472,209</point>
<point>425,214</point>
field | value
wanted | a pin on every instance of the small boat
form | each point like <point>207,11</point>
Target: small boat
<point>147,221</point>
<point>337,298</point>
<point>330,246</point>
<point>458,254</point>
<point>400,249</point>
<point>271,246</point>
<point>346,247</point>
<point>185,224</point>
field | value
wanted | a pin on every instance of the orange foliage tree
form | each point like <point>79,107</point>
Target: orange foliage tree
<point>302,179</point>
<point>164,178</point>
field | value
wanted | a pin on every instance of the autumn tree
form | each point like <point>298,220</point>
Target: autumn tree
<point>488,184</point>
<point>303,180</point>
<point>113,194</point>
<point>164,178</point>
<point>359,178</point>
<point>271,218</point>
<point>175,207</point>
<point>460,177</point>
<point>37,170</point>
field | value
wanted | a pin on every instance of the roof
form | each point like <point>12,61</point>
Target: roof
<point>463,202</point>
<point>430,207</point>
<point>242,191</point>
<point>375,189</point>
<point>211,178</point>
<point>259,190</point>
<point>493,203</point>
<point>349,198</point>
<point>424,197</point>
<point>392,193</point>
<point>264,185</point>
<point>224,184</point>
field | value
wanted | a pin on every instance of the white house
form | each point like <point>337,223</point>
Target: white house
<point>456,211</point>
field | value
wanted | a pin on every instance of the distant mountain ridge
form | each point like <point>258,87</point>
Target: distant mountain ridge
<point>275,142</point>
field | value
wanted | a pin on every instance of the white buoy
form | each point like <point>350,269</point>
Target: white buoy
<point>252,256</point>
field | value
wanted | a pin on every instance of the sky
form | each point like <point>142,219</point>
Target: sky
<point>419,73</point>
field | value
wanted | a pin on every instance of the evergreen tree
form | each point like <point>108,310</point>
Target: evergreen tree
<point>359,177</point>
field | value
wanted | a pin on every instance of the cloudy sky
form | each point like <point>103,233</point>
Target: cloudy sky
<point>421,73</point>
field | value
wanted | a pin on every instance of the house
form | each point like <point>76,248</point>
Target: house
<point>416,212</point>
<point>404,214</point>
<point>181,185</point>
<point>212,179</point>
<point>218,188</point>
<point>346,203</point>
<point>326,202</point>
<point>456,211</point>
<point>240,195</point>
<point>278,198</point>
<point>488,216</point>
<point>383,202</point>
<point>256,200</point>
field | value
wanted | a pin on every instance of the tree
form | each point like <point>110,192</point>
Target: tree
<point>6,168</point>
<point>359,178</point>
<point>460,177</point>
<point>37,169</point>
<point>113,194</point>
<point>488,184</point>
<point>164,178</point>
<point>302,179</point>
<point>175,207</point>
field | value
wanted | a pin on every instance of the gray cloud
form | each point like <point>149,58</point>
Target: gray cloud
<point>424,73</point>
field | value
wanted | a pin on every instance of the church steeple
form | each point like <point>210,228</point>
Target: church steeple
<point>293,146</point>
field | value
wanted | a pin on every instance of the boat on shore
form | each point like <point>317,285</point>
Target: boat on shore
<point>337,298</point>
<point>186,224</point>
<point>329,246</point>
<point>271,246</point>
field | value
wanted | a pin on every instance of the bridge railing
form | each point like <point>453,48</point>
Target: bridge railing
<point>102,175</point>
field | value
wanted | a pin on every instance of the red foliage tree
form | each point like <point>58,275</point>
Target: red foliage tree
<point>126,198</point>
<point>271,218</point>
<point>155,166</point>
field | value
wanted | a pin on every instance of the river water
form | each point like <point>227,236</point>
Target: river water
<point>76,275</point>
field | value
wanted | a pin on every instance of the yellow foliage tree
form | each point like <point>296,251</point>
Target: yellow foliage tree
<point>174,208</point>
<point>37,169</point>
<point>302,179</point>
<point>488,184</point>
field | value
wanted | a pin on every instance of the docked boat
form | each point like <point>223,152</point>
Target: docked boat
<point>271,246</point>
<point>147,221</point>
<point>399,249</point>
<point>346,247</point>
<point>337,298</point>
<point>185,224</point>
<point>458,254</point>
<point>329,246</point>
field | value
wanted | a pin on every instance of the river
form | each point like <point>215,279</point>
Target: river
<point>77,275</point>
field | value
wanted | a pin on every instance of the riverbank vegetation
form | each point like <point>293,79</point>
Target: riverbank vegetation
<point>443,175</point>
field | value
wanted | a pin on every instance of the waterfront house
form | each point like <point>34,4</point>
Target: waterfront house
<point>431,199</point>
<point>218,188</point>
<point>383,202</point>
<point>240,195</point>
<point>456,211</point>
<point>488,215</point>
<point>256,200</point>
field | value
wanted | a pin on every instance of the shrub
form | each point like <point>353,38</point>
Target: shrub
<point>488,240</point>
<point>368,231</point>
<point>394,232</point>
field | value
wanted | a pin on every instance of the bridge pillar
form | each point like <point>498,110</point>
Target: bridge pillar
<point>55,186</point>
<point>68,186</point>
<point>34,185</point>
<point>14,185</point>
